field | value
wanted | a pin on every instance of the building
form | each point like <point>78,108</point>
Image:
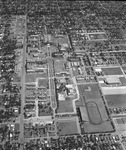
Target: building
<point>113,80</point>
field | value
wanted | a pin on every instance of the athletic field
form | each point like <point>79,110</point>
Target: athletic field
<point>112,71</point>
<point>90,96</point>
<point>67,127</point>
<point>116,100</point>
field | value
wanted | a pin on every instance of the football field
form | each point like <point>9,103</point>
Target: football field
<point>97,114</point>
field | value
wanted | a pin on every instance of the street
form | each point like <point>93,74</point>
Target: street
<point>23,89</point>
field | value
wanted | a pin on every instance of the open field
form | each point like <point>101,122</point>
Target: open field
<point>103,127</point>
<point>16,78</point>
<point>75,71</point>
<point>44,111</point>
<point>65,106</point>
<point>59,65</point>
<point>85,100</point>
<point>120,123</point>
<point>112,71</point>
<point>44,49</point>
<point>63,40</point>
<point>124,68</point>
<point>97,114</point>
<point>30,92</point>
<point>123,81</point>
<point>116,100</point>
<point>43,82</point>
<point>31,77</point>
<point>90,91</point>
<point>121,120</point>
<point>67,127</point>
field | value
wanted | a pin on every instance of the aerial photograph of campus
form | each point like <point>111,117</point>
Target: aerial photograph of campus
<point>62,75</point>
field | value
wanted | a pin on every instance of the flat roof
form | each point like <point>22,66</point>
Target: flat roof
<point>84,114</point>
<point>112,80</point>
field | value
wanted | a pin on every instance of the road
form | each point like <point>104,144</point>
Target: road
<point>51,81</point>
<point>51,77</point>
<point>50,73</point>
<point>23,89</point>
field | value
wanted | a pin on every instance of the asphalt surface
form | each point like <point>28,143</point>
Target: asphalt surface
<point>23,90</point>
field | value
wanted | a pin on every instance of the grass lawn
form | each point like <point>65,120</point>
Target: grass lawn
<point>103,127</point>
<point>67,127</point>
<point>63,40</point>
<point>44,49</point>
<point>31,77</point>
<point>112,71</point>
<point>123,81</point>
<point>65,106</point>
<point>47,111</point>
<point>41,75</point>
<point>116,100</point>
<point>59,65</point>
<point>75,71</point>
<point>93,96</point>
<point>97,113</point>
<point>120,124</point>
<point>30,93</point>
<point>94,92</point>
<point>43,82</point>
<point>124,68</point>
<point>94,114</point>
<point>16,78</point>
